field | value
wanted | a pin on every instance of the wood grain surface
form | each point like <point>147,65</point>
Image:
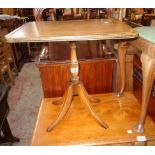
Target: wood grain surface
<point>55,77</point>
<point>96,72</point>
<point>78,128</point>
<point>75,30</point>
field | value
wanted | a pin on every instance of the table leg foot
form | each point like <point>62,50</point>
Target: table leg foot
<point>65,107</point>
<point>148,79</point>
<point>139,128</point>
<point>119,94</point>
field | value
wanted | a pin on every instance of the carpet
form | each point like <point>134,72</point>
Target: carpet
<point>24,100</point>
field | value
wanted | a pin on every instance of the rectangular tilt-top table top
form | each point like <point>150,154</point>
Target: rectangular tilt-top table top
<point>75,30</point>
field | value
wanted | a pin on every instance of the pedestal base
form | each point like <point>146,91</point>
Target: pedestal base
<point>76,87</point>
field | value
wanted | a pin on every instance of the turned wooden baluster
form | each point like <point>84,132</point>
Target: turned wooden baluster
<point>148,73</point>
<point>74,66</point>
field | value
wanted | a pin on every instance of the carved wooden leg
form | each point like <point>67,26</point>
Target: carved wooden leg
<point>148,69</point>
<point>62,99</point>
<point>65,108</point>
<point>121,60</point>
<point>91,99</point>
<point>88,105</point>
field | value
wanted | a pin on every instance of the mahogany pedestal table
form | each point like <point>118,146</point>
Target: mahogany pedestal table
<point>72,31</point>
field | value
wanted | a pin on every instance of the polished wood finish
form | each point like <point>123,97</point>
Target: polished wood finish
<point>75,88</point>
<point>78,129</point>
<point>128,74</point>
<point>122,49</point>
<point>67,100</point>
<point>55,77</point>
<point>54,70</point>
<point>76,30</point>
<point>148,67</point>
<point>86,99</point>
<point>138,94</point>
<point>137,83</point>
<point>98,29</point>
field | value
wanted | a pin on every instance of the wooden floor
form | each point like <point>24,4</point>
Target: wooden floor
<point>78,128</point>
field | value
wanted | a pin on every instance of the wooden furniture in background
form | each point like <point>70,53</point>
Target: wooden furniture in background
<point>20,51</point>
<point>78,129</point>
<point>147,18</point>
<point>152,23</point>
<point>8,69</point>
<point>146,45</point>
<point>54,70</point>
<point>5,131</point>
<point>137,83</point>
<point>8,11</point>
<point>86,51</point>
<point>5,70</point>
<point>25,12</point>
<point>128,74</point>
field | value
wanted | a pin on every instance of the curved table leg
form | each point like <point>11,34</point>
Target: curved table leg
<point>148,72</point>
<point>64,109</point>
<point>88,105</point>
<point>62,99</point>
<point>121,60</point>
<point>91,99</point>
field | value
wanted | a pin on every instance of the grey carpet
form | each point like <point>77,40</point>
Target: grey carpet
<point>24,100</point>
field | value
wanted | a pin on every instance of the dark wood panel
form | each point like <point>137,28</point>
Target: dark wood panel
<point>96,71</point>
<point>97,75</point>
<point>60,52</point>
<point>55,77</point>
